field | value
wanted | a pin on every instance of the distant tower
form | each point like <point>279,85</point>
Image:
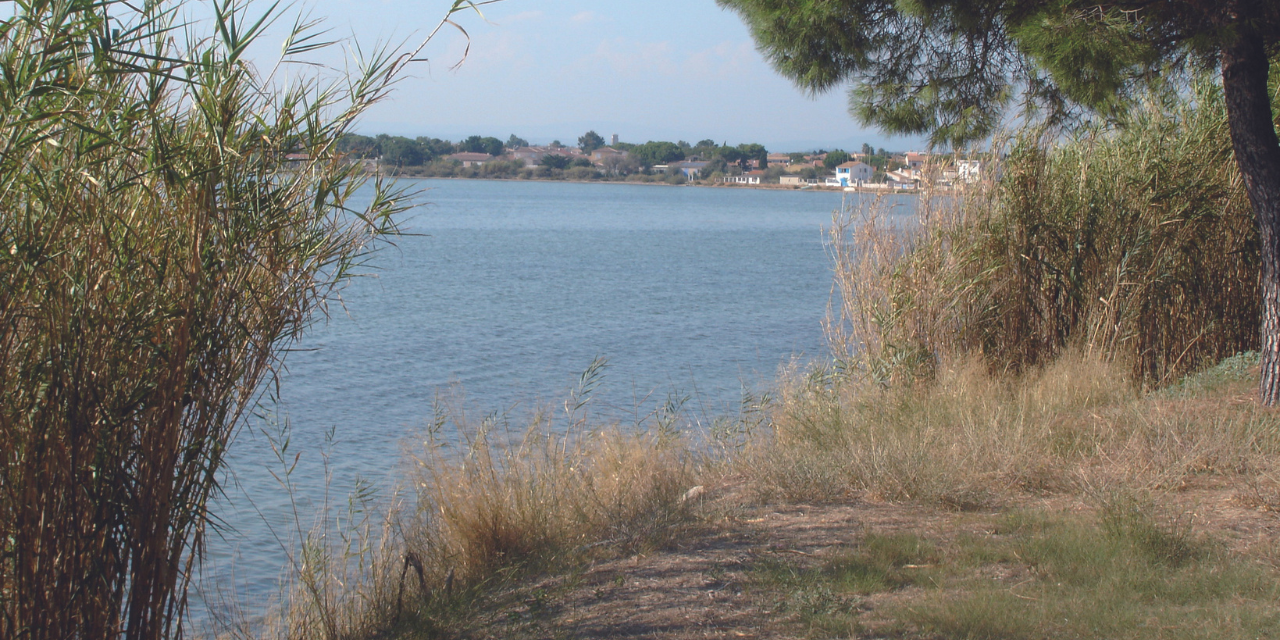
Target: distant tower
<point>614,142</point>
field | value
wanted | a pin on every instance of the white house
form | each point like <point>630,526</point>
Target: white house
<point>746,178</point>
<point>850,174</point>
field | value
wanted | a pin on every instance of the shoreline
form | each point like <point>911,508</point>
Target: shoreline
<point>658,183</point>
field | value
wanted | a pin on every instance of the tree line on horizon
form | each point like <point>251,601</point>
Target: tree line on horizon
<point>402,151</point>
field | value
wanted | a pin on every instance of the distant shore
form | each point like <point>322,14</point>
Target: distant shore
<point>660,183</point>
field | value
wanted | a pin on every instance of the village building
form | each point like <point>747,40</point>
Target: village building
<point>532,156</point>
<point>901,179</point>
<point>796,180</point>
<point>600,154</point>
<point>752,177</point>
<point>914,160</point>
<point>783,159</point>
<point>968,170</point>
<point>850,174</point>
<point>691,170</point>
<point>296,160</point>
<point>471,159</point>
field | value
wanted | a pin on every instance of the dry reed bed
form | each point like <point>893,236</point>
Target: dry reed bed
<point>171,218</point>
<point>1135,241</point>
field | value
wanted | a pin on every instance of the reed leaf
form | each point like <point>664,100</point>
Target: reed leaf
<point>171,220</point>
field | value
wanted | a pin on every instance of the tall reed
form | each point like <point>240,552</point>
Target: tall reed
<point>1133,240</point>
<point>171,218</point>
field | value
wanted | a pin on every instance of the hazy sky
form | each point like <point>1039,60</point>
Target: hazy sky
<point>552,69</point>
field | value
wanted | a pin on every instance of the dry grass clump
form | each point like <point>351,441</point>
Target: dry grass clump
<point>971,439</point>
<point>496,505</point>
<point>1135,241</point>
<point>1003,340</point>
<point>504,505</point>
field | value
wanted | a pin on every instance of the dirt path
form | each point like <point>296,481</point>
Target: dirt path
<point>701,586</point>
<point>695,588</point>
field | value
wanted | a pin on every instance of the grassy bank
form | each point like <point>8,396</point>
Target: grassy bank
<point>1069,492</point>
<point>971,440</point>
<point>1124,572</point>
<point>1037,376</point>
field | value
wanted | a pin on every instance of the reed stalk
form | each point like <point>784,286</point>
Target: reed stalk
<point>171,219</point>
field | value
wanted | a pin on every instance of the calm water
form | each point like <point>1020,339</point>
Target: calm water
<point>509,293</point>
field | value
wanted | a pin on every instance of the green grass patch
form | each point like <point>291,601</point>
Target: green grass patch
<point>825,597</point>
<point>1240,369</point>
<point>1128,573</point>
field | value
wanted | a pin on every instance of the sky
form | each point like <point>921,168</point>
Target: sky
<point>553,69</point>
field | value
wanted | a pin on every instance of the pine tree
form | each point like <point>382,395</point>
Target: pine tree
<point>949,69</point>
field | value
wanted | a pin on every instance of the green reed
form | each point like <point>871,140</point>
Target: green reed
<point>171,219</point>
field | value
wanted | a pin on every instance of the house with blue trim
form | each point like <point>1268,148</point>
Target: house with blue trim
<point>850,174</point>
<point>691,170</point>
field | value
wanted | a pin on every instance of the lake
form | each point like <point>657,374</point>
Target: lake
<point>508,291</point>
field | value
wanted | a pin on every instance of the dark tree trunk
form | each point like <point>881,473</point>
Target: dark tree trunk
<point>1257,150</point>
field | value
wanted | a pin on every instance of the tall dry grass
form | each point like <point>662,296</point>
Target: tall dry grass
<point>481,510</point>
<point>1134,241</point>
<point>971,439</point>
<point>1006,338</point>
<point>547,494</point>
